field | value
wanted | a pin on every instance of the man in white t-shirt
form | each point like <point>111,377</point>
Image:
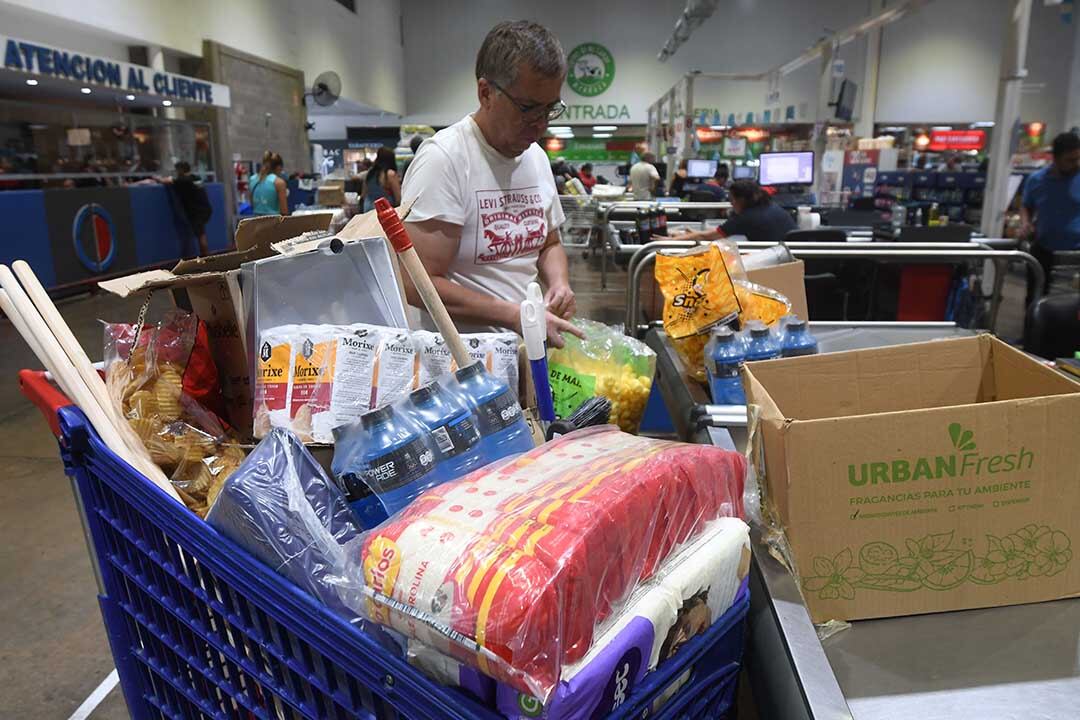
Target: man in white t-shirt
<point>486,215</point>
<point>644,177</point>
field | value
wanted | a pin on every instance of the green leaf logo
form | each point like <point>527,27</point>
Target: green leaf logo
<point>961,439</point>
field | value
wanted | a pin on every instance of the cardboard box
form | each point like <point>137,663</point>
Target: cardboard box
<point>788,279</point>
<point>331,194</point>
<point>922,478</point>
<point>208,287</point>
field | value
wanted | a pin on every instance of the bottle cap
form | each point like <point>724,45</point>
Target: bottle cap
<point>758,329</point>
<point>723,334</point>
<point>377,417</point>
<point>796,324</point>
<point>469,371</point>
<point>424,394</point>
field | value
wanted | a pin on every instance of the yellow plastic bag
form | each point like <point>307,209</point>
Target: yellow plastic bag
<point>698,292</point>
<point>760,303</point>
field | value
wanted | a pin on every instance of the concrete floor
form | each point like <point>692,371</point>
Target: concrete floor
<point>53,651</point>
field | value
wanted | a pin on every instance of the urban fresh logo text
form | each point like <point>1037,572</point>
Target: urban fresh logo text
<point>965,461</point>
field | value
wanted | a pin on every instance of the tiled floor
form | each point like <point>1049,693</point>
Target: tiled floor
<point>53,651</point>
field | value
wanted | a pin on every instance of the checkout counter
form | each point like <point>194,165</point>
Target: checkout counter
<point>1002,663</point>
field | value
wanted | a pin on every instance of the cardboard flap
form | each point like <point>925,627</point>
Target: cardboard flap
<point>138,282</point>
<point>367,225</point>
<point>265,230</point>
<point>1016,376</point>
<point>787,279</point>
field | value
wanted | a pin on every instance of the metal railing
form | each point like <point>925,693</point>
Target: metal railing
<point>645,257</point>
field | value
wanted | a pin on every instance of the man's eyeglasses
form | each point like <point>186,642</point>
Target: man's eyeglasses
<point>533,112</point>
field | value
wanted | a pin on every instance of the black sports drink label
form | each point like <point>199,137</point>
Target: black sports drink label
<point>456,437</point>
<point>399,467</point>
<point>498,413</point>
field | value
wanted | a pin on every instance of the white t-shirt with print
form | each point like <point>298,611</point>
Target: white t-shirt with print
<point>642,177</point>
<point>505,206</point>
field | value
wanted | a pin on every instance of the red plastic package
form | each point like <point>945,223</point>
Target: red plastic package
<point>511,568</point>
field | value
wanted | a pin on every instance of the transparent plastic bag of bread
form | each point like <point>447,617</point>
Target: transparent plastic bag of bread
<point>511,569</point>
<point>167,388</point>
<point>281,507</point>
<point>606,363</point>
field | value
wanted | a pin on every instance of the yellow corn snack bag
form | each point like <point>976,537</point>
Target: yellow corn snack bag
<point>760,303</point>
<point>698,292</point>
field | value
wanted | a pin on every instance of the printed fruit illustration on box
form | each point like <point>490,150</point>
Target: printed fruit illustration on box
<point>934,562</point>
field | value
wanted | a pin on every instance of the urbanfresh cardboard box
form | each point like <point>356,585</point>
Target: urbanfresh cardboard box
<point>922,478</point>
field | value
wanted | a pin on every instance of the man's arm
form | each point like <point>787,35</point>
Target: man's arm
<point>436,243</point>
<point>554,269</point>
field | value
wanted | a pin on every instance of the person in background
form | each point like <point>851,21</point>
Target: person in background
<point>678,180</point>
<point>951,164</point>
<point>755,217</point>
<point>486,215</point>
<point>723,175</point>
<point>644,177</point>
<point>194,202</point>
<point>586,177</point>
<point>414,144</point>
<point>1050,210</point>
<point>382,180</point>
<point>269,192</point>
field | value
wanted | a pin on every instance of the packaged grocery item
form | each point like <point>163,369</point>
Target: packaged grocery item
<point>697,289</point>
<point>796,339</point>
<point>497,351</point>
<point>282,508</point>
<point>760,303</point>
<point>502,426</point>
<point>510,569</point>
<point>689,593</point>
<point>164,381</point>
<point>606,364</point>
<point>724,356</point>
<point>273,379</point>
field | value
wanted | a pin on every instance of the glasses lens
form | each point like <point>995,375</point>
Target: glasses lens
<point>556,110</point>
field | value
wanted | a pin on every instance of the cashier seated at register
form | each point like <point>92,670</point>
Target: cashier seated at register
<point>754,215</point>
<point>486,215</point>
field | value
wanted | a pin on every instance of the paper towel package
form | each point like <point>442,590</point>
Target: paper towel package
<point>689,592</point>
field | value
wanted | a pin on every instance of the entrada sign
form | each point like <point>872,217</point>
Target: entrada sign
<point>40,60</point>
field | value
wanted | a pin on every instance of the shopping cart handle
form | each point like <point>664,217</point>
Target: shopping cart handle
<point>42,393</point>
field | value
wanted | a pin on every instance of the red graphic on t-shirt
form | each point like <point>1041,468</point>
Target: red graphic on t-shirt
<point>511,224</point>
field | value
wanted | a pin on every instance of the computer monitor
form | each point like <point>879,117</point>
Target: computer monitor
<point>701,168</point>
<point>742,172</point>
<point>787,168</point>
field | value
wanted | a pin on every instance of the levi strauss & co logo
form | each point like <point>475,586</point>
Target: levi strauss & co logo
<point>964,461</point>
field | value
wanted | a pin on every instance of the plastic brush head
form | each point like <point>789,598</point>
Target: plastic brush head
<point>594,411</point>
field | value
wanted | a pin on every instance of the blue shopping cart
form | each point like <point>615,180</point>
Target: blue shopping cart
<point>200,629</point>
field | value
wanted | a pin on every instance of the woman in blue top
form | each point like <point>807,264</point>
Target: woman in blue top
<point>382,180</point>
<point>268,191</point>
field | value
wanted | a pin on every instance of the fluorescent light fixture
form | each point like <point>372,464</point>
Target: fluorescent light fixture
<point>31,82</point>
<point>556,129</point>
<point>85,90</point>
<point>983,124</point>
<point>167,103</point>
<point>941,127</point>
<point>604,128</point>
<point>719,127</point>
<point>130,97</point>
<point>601,135</point>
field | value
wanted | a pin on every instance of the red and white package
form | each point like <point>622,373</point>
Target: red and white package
<point>511,568</point>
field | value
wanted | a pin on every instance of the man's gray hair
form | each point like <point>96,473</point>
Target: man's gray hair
<point>510,44</point>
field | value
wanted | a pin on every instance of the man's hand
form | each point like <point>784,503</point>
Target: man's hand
<point>560,301</point>
<point>1027,230</point>
<point>556,326</point>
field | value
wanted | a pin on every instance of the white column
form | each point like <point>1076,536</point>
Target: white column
<point>1006,118</point>
<point>822,114</point>
<point>868,105</point>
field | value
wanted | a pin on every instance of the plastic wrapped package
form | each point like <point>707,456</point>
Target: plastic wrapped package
<point>282,508</point>
<point>511,568</point>
<point>690,591</point>
<point>165,383</point>
<point>315,378</point>
<point>607,364</point>
<point>760,303</point>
